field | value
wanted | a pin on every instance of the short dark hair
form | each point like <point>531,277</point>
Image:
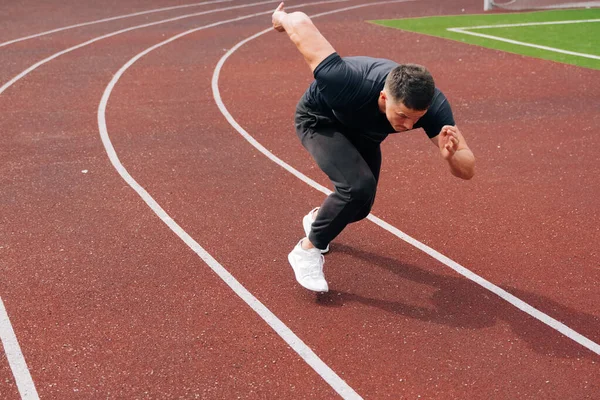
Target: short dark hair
<point>412,85</point>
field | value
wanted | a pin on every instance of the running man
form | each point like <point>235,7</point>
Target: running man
<point>342,118</point>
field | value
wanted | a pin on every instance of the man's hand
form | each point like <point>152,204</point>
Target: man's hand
<point>277,18</point>
<point>448,141</point>
<point>304,34</point>
<point>453,148</point>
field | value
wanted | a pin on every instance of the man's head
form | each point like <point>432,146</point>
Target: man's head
<point>407,95</point>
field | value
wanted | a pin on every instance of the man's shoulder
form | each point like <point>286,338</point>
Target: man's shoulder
<point>371,68</point>
<point>439,102</point>
<point>370,61</point>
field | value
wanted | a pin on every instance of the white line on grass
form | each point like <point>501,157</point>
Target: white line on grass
<point>110,19</point>
<point>559,326</point>
<point>583,4</point>
<point>467,31</point>
<point>305,352</point>
<point>15,357</point>
<point>566,22</point>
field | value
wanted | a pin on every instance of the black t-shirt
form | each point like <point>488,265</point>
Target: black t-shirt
<point>347,89</point>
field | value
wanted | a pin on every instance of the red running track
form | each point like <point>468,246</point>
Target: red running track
<point>107,302</point>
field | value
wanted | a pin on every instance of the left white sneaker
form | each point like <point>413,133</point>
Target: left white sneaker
<point>307,225</point>
<point>308,268</point>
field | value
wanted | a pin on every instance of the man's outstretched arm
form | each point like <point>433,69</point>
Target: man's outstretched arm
<point>302,32</point>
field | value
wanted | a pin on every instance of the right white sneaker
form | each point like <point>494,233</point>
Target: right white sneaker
<point>307,225</point>
<point>308,268</point>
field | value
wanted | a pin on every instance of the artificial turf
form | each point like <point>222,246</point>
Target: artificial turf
<point>579,37</point>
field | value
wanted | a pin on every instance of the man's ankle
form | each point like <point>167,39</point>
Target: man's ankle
<point>306,244</point>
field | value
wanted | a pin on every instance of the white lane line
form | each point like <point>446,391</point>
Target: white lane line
<point>15,357</point>
<point>565,22</point>
<point>553,323</point>
<point>110,19</point>
<point>96,39</point>
<point>304,351</point>
<point>535,46</point>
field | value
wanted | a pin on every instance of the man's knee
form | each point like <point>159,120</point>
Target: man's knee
<point>363,191</point>
<point>363,213</point>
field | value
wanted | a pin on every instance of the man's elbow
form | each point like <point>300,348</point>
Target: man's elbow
<point>467,172</point>
<point>299,20</point>
<point>297,25</point>
<point>464,175</point>
<point>468,175</point>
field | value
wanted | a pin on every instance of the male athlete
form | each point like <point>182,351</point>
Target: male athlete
<point>350,108</point>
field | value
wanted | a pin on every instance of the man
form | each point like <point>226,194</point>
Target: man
<point>350,108</point>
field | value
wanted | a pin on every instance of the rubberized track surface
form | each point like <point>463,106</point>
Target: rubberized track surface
<point>107,302</point>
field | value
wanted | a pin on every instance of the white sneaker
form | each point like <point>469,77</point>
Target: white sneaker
<point>307,225</point>
<point>308,268</point>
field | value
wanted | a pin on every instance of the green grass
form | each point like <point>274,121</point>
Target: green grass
<point>580,37</point>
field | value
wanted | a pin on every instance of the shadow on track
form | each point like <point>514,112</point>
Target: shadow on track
<point>461,303</point>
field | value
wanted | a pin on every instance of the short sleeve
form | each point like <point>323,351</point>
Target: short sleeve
<point>438,115</point>
<point>338,82</point>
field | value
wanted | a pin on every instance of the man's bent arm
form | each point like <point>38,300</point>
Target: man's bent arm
<point>454,149</point>
<point>304,34</point>
<point>462,164</point>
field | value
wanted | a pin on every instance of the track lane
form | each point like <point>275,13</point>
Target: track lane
<point>447,311</point>
<point>31,18</point>
<point>515,301</point>
<point>368,333</point>
<point>66,285</point>
<point>179,19</point>
<point>23,50</point>
<point>587,322</point>
<point>412,154</point>
<point>108,19</point>
<point>442,291</point>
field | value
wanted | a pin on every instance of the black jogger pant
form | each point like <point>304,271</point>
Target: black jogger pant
<point>351,162</point>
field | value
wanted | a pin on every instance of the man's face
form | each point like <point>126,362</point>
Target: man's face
<point>401,117</point>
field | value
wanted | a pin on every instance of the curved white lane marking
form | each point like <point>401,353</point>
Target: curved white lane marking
<point>515,301</point>
<point>96,39</point>
<point>305,352</point>
<point>15,358</point>
<point>156,10</point>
